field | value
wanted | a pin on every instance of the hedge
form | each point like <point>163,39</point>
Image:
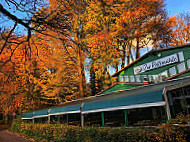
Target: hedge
<point>65,133</point>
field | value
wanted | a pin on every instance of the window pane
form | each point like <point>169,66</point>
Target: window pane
<point>145,78</point>
<point>181,67</point>
<point>163,75</point>
<point>121,78</point>
<point>126,79</point>
<point>172,71</point>
<point>188,63</point>
<point>151,78</point>
<point>132,78</point>
<point>138,78</point>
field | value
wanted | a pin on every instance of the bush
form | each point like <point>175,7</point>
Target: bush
<point>65,133</point>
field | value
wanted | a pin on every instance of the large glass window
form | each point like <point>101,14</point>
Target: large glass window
<point>146,116</point>
<point>93,119</point>
<point>132,78</point>
<point>54,119</point>
<point>74,119</point>
<point>63,119</point>
<point>138,78</point>
<point>179,101</point>
<point>126,78</point>
<point>181,67</point>
<point>121,78</point>
<point>172,71</point>
<point>114,118</point>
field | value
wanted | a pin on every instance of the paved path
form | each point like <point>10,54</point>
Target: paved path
<point>6,136</point>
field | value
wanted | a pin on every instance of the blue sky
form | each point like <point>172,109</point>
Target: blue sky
<point>173,7</point>
<point>177,6</point>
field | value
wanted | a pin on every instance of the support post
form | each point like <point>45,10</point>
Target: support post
<point>49,120</point>
<point>82,116</point>
<point>167,104</point>
<point>126,118</point>
<point>166,114</point>
<point>82,120</point>
<point>67,119</point>
<point>102,116</point>
<point>33,120</point>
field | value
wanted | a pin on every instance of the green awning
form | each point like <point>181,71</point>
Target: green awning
<point>27,115</point>
<point>40,113</point>
<point>65,110</point>
<point>127,102</point>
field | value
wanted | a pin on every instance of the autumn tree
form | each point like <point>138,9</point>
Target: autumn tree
<point>103,51</point>
<point>181,29</point>
<point>139,24</point>
<point>18,89</point>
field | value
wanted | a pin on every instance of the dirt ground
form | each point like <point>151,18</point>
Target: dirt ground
<point>6,136</point>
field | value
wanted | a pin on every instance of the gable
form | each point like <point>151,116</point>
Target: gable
<point>182,55</point>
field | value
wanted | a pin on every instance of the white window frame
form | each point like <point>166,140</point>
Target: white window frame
<point>161,77</point>
<point>188,63</point>
<point>138,78</point>
<point>126,77</point>
<point>121,78</point>
<point>171,69</point>
<point>181,67</point>
<point>132,78</point>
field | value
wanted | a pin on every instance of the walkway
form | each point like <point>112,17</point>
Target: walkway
<point>6,136</point>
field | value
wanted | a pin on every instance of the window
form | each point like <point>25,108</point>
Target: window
<point>121,78</point>
<point>138,78</point>
<point>163,75</point>
<point>181,67</point>
<point>151,78</point>
<point>181,57</point>
<point>172,71</point>
<point>132,78</point>
<point>126,79</point>
<point>145,78</point>
<point>188,63</point>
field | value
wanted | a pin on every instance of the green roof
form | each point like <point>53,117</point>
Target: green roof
<point>65,110</point>
<point>117,103</point>
<point>119,87</point>
<point>41,113</point>
<point>27,115</point>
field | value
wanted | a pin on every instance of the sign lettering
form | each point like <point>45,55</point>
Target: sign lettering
<point>156,64</point>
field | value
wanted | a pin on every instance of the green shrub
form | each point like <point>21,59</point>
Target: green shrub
<point>65,133</point>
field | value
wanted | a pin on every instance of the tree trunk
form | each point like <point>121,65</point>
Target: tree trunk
<point>81,72</point>
<point>123,56</point>
<point>137,49</point>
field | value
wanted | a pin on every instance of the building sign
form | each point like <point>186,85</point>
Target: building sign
<point>159,63</point>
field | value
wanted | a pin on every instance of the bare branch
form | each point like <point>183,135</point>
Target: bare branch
<point>8,37</point>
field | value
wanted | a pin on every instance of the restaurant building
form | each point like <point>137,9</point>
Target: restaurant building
<point>149,91</point>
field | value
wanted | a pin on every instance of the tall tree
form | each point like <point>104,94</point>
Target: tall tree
<point>181,29</point>
<point>137,25</point>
